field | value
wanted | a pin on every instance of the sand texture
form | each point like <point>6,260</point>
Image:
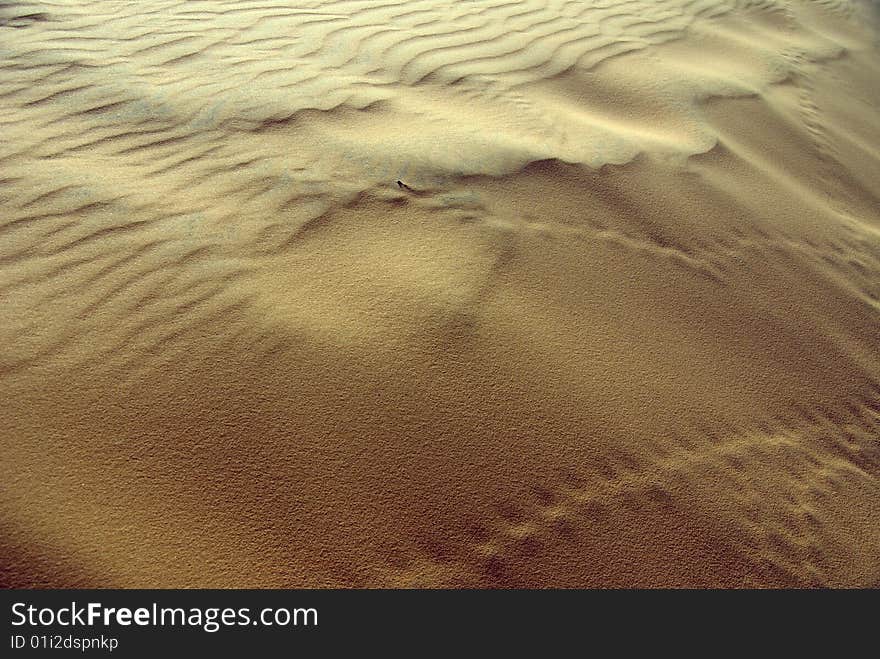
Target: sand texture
<point>620,327</point>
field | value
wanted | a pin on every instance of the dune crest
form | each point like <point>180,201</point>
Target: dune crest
<point>617,327</point>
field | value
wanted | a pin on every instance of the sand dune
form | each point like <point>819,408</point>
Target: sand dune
<point>621,326</point>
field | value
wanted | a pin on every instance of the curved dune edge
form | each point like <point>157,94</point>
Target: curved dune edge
<point>622,331</point>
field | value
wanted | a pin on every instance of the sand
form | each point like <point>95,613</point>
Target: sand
<point>621,327</point>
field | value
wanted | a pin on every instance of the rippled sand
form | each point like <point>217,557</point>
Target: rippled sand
<point>619,325</point>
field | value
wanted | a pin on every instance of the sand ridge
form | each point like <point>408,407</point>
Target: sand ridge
<point>619,329</point>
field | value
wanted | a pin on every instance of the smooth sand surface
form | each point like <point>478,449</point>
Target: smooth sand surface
<point>621,328</point>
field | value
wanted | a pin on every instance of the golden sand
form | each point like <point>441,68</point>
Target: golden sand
<point>620,325</point>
